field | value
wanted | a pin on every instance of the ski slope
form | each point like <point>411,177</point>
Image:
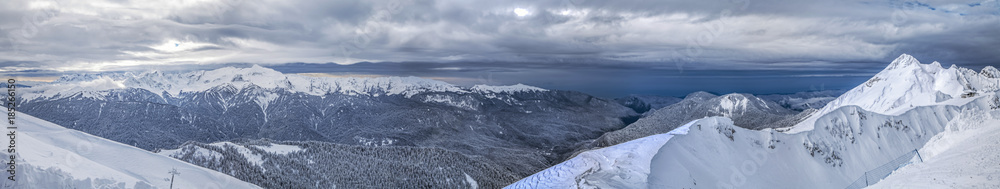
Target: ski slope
<point>51,156</point>
<point>963,156</point>
<point>620,166</point>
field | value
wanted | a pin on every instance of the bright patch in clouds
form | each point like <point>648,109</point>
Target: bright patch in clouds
<point>521,12</point>
<point>173,46</point>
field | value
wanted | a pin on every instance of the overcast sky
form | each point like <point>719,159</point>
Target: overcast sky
<point>606,48</point>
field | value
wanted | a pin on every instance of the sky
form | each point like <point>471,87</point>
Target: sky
<point>604,48</point>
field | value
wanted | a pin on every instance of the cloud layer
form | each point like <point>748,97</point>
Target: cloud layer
<point>534,37</point>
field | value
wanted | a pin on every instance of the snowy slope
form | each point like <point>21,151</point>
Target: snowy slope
<point>50,156</point>
<point>849,142</point>
<point>715,153</point>
<point>899,110</point>
<point>620,166</point>
<point>963,156</point>
<point>906,83</point>
<point>173,84</point>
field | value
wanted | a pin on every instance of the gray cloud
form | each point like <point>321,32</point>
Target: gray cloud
<point>848,37</point>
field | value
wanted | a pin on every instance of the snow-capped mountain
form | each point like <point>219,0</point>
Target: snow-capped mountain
<point>899,110</point>
<point>645,103</point>
<point>174,84</point>
<point>906,83</point>
<point>51,156</point>
<point>521,128</point>
<point>804,100</point>
<point>747,110</point>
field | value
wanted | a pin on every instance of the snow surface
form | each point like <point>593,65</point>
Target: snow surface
<point>718,154</point>
<point>620,166</point>
<point>175,84</point>
<point>51,156</point>
<point>963,156</point>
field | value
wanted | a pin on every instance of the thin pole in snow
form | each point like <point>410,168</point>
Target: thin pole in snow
<point>173,172</point>
<point>866,178</point>
<point>918,155</point>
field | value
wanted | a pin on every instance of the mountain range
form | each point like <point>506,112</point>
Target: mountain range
<point>276,130</point>
<point>512,130</point>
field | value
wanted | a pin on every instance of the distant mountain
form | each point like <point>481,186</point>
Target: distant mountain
<point>801,101</point>
<point>521,128</point>
<point>864,130</point>
<point>746,110</point>
<point>51,156</point>
<point>646,103</point>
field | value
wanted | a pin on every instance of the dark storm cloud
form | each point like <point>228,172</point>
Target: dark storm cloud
<point>532,40</point>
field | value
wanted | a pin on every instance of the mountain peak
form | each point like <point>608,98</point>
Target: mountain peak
<point>906,84</point>
<point>700,94</point>
<point>936,64</point>
<point>903,60</point>
<point>258,68</point>
<point>990,72</point>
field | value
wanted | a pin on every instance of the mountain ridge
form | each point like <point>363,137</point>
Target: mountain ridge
<point>906,83</point>
<point>175,83</point>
